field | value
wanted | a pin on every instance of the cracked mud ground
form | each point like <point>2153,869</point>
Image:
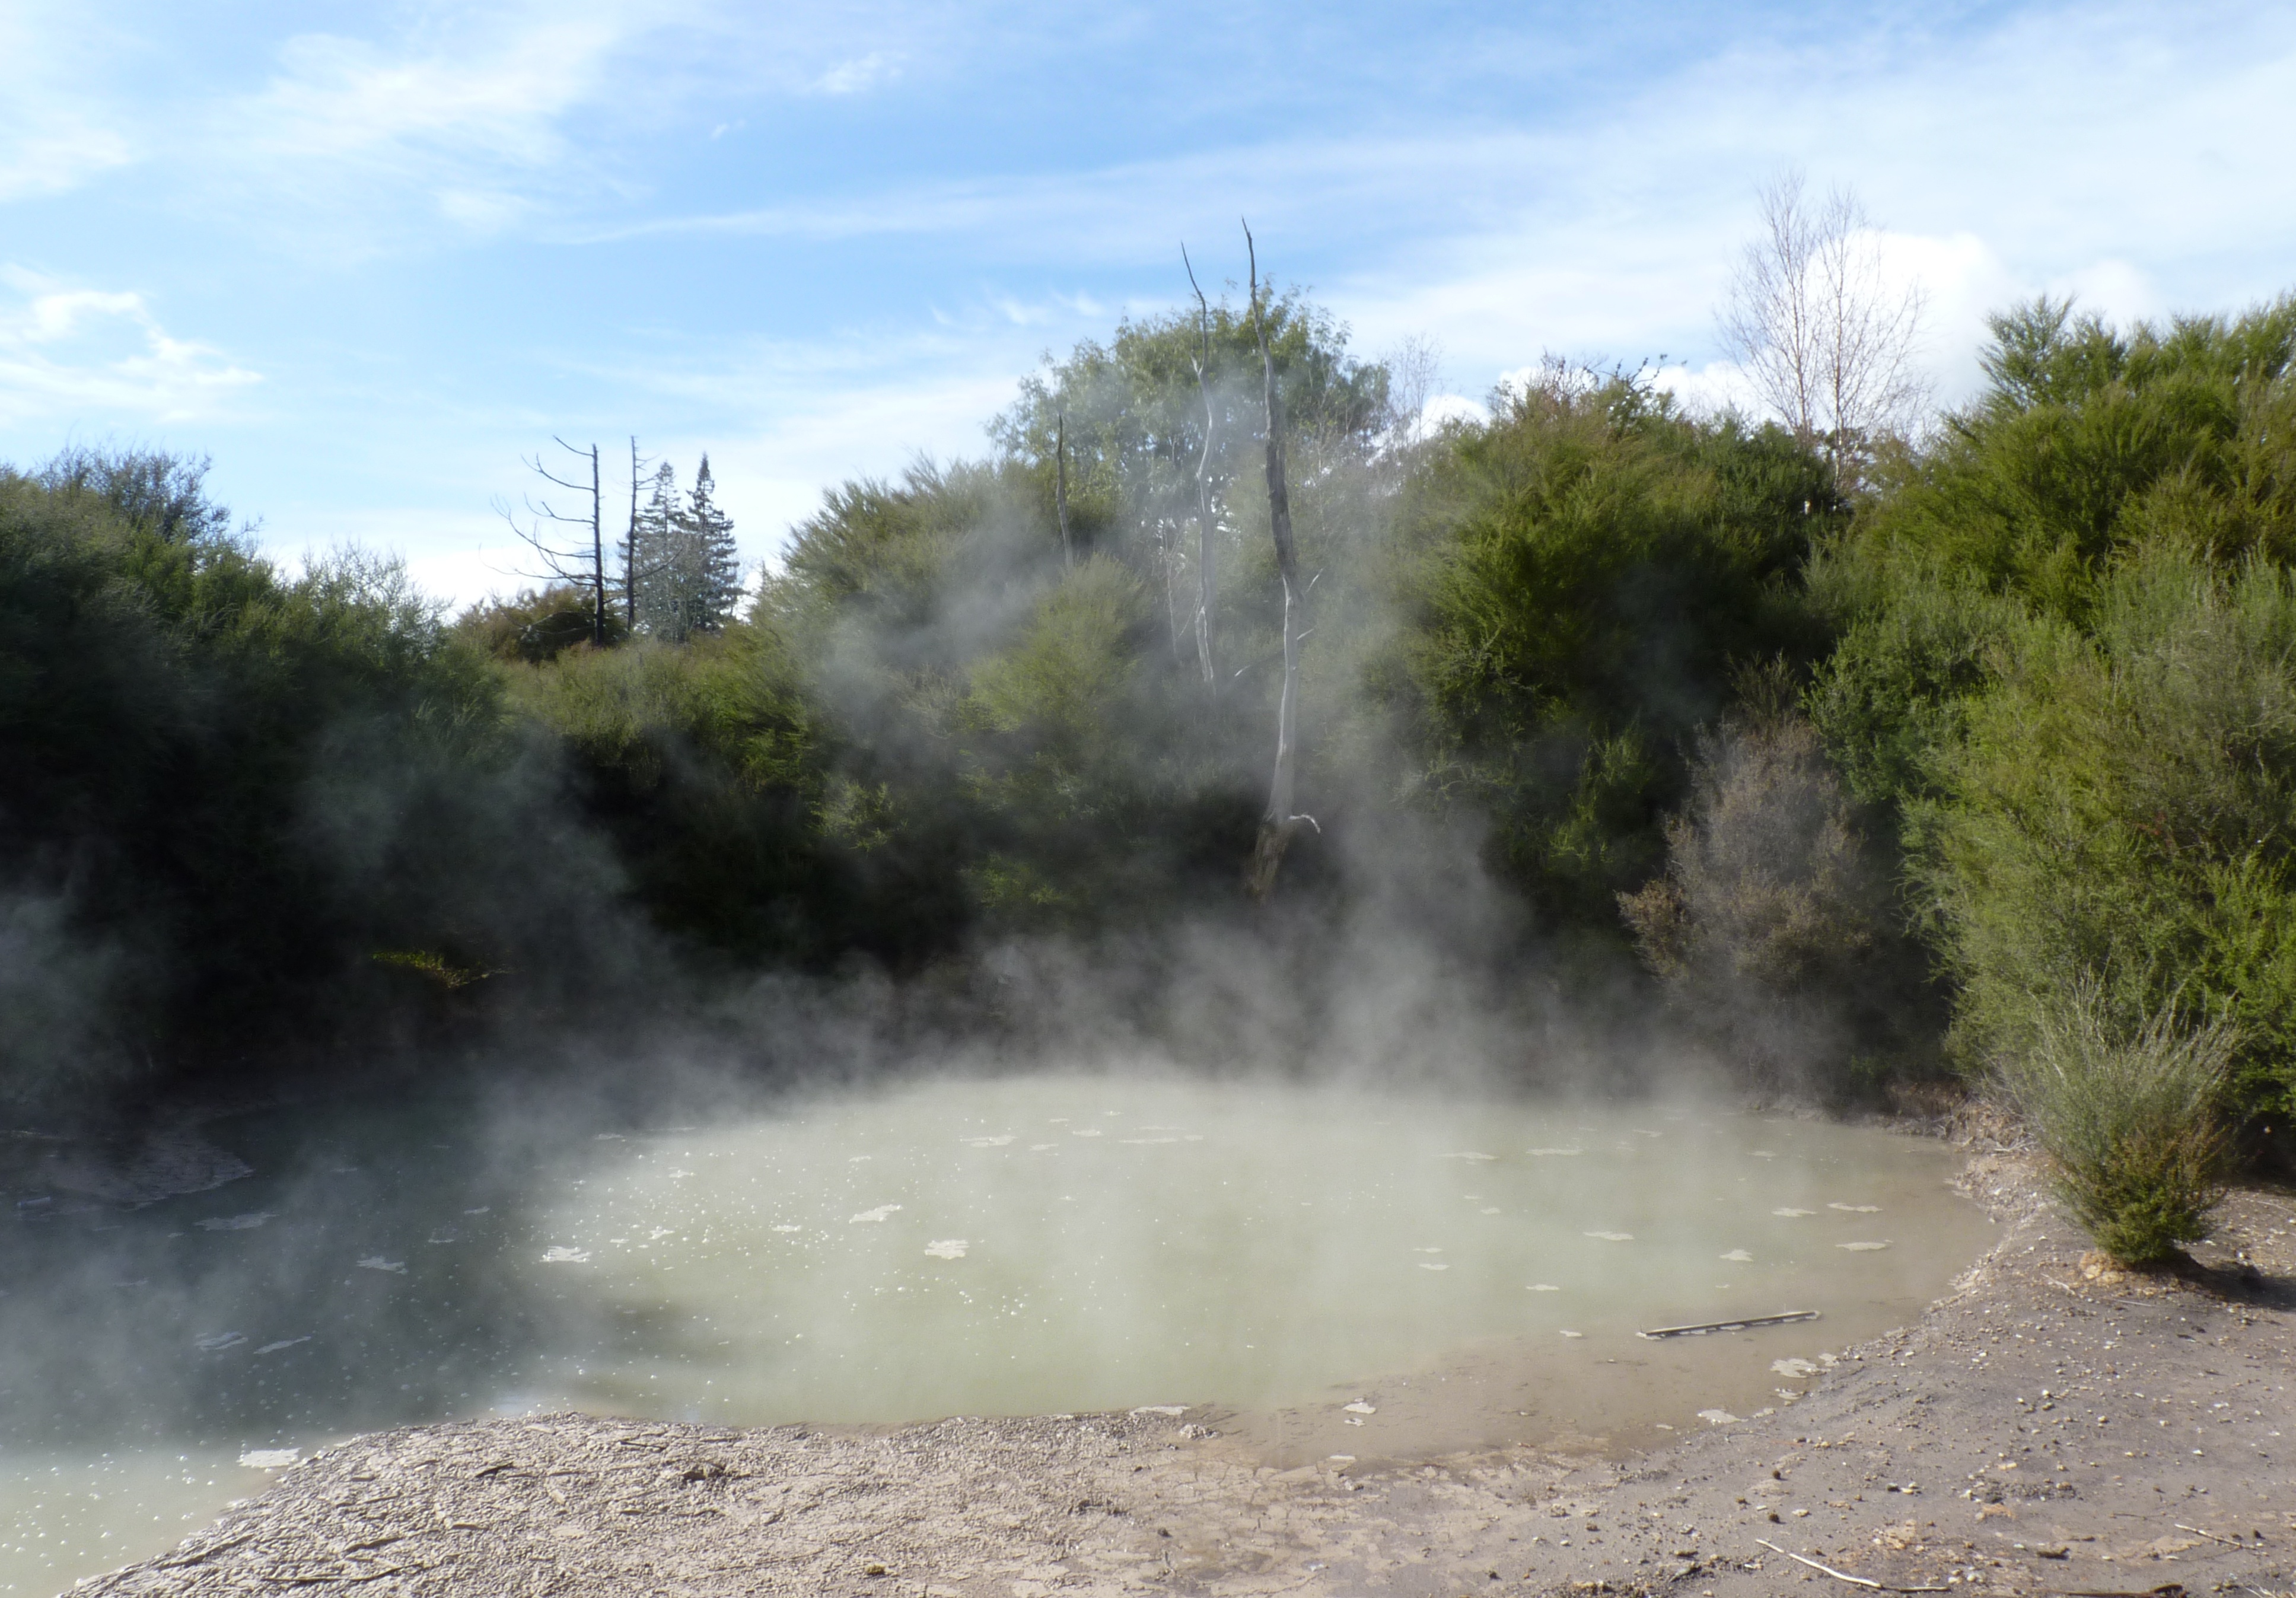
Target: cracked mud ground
<point>2045,1428</point>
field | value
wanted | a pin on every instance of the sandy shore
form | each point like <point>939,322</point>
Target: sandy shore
<point>2045,1429</point>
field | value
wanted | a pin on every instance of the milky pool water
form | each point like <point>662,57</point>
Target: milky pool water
<point>1326,1270</point>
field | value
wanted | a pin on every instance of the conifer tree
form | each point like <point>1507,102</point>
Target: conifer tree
<point>653,552</point>
<point>716,587</point>
<point>687,576</point>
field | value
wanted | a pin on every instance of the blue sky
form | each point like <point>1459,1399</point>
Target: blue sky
<point>369,255</point>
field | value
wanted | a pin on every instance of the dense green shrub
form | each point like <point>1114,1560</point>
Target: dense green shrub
<point>2089,440</point>
<point>536,627</point>
<point>1577,579</point>
<point>703,763</point>
<point>1018,745</point>
<point>2088,444</point>
<point>2065,630</point>
<point>225,792</point>
<point>2120,806</point>
<point>1133,413</point>
<point>2044,656</point>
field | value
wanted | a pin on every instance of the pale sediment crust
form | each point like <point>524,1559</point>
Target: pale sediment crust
<point>2043,1428</point>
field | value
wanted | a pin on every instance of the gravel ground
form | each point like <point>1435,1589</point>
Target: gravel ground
<point>2051,1427</point>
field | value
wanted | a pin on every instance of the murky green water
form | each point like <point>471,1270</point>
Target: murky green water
<point>1338,1270</point>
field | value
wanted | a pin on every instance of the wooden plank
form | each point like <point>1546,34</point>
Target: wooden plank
<point>1742,1324</point>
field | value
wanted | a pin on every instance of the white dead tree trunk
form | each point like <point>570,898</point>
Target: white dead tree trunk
<point>1061,487</point>
<point>563,563</point>
<point>1206,583</point>
<point>630,573</point>
<point>1814,322</point>
<point>1279,821</point>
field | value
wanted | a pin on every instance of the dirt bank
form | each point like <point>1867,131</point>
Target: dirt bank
<point>2045,1429</point>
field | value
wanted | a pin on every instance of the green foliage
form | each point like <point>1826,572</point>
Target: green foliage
<point>224,791</point>
<point>878,557</point>
<point>536,627</point>
<point>2043,653</point>
<point>164,495</point>
<point>2061,664</point>
<point>1069,754</point>
<point>2117,809</point>
<point>1061,686</point>
<point>1578,578</point>
<point>703,763</point>
<point>1135,416</point>
<point>1895,687</point>
<point>684,573</point>
<point>2088,441</point>
<point>2126,1113</point>
<point>1018,745</point>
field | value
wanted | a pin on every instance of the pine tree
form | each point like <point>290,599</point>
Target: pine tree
<point>653,560</point>
<point>717,562</point>
<point>687,576</point>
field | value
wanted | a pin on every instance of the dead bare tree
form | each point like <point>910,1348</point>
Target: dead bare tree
<point>1060,486</point>
<point>1814,320</point>
<point>563,563</point>
<point>1207,585</point>
<point>1414,367</point>
<point>630,573</point>
<point>1278,822</point>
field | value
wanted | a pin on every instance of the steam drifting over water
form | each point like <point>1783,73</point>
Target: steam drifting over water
<point>1058,1242</point>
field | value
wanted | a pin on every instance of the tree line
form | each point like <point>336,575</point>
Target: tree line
<point>675,572</point>
<point>1890,747</point>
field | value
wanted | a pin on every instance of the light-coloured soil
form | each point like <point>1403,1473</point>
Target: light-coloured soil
<point>2048,1428</point>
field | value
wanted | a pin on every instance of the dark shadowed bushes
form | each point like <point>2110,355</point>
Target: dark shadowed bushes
<point>226,792</point>
<point>702,764</point>
<point>2045,745</point>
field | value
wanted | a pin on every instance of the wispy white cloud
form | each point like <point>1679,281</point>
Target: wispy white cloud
<point>335,98</point>
<point>484,119</point>
<point>2122,152</point>
<point>861,73</point>
<point>50,153</point>
<point>352,146</point>
<point>56,128</point>
<point>101,355</point>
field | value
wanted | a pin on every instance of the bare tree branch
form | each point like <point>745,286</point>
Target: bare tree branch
<point>630,573</point>
<point>1414,366</point>
<point>1060,486</point>
<point>1207,585</point>
<point>1813,320</point>
<point>562,562</point>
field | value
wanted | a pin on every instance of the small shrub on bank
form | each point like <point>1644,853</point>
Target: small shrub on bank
<point>2128,1117</point>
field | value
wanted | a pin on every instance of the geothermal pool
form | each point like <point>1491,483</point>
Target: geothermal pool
<point>1328,1271</point>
